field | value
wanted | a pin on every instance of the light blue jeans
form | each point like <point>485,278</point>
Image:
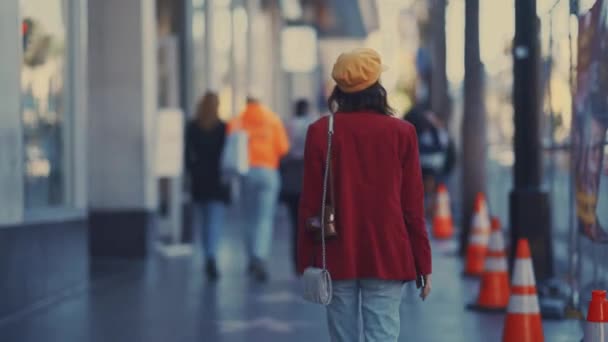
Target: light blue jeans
<point>260,199</point>
<point>210,218</point>
<point>370,305</point>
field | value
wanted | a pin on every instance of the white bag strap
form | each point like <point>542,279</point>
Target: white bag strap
<point>330,133</point>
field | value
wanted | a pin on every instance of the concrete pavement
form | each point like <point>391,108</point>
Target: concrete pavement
<point>169,300</point>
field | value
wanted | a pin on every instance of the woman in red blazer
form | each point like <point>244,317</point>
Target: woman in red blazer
<point>382,240</point>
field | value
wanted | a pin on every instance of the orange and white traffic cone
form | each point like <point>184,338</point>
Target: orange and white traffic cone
<point>596,329</point>
<point>494,289</point>
<point>478,238</point>
<point>443,226</point>
<point>523,322</point>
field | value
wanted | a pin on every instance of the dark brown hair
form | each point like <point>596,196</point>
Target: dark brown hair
<point>207,115</point>
<point>372,99</point>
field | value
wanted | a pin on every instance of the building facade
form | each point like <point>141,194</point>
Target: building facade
<point>43,151</point>
<point>81,82</point>
<point>81,85</point>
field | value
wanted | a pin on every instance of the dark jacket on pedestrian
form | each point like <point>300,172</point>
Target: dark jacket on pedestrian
<point>437,149</point>
<point>202,159</point>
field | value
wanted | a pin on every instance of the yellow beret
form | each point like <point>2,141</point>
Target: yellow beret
<point>357,70</point>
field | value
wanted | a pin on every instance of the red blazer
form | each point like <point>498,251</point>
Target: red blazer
<point>379,199</point>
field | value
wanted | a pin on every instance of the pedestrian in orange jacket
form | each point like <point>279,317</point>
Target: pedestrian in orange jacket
<point>268,143</point>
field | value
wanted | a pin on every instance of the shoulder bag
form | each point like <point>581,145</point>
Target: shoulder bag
<point>317,281</point>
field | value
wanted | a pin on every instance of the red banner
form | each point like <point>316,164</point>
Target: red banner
<point>590,119</point>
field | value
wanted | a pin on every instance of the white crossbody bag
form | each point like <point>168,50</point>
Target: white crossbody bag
<point>317,281</point>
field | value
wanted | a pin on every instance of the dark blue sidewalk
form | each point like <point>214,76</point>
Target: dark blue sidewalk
<point>168,300</point>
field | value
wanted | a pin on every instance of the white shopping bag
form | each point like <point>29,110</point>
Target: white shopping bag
<point>235,157</point>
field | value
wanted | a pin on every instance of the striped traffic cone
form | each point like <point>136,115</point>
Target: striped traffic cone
<point>494,288</point>
<point>443,226</point>
<point>478,238</point>
<point>596,329</point>
<point>523,322</point>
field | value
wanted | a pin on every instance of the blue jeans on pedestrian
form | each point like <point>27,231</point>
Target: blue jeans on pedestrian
<point>210,218</point>
<point>375,301</point>
<point>260,199</point>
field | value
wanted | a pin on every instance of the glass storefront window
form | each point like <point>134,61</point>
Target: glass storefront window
<point>45,108</point>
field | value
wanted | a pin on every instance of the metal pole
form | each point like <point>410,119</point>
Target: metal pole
<point>529,204</point>
<point>440,97</point>
<point>473,128</point>
<point>552,150</point>
<point>573,243</point>
<point>182,25</point>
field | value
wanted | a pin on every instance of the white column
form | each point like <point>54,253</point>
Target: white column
<point>234,75</point>
<point>253,8</point>
<point>78,35</point>
<point>281,81</point>
<point>122,104</point>
<point>211,83</point>
<point>11,133</point>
